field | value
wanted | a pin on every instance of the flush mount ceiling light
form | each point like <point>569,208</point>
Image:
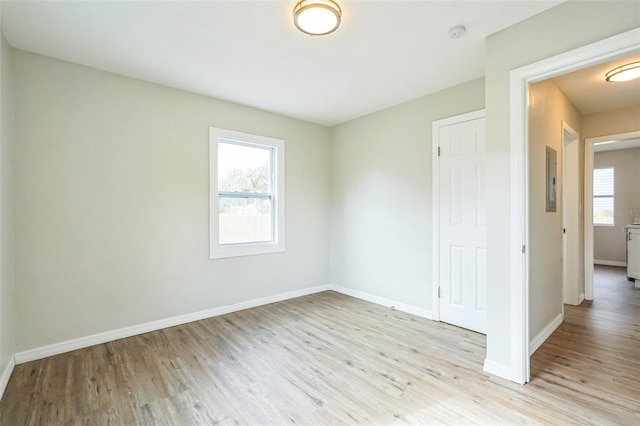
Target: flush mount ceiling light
<point>624,73</point>
<point>317,17</point>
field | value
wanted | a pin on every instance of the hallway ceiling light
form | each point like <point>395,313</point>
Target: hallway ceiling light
<point>624,73</point>
<point>317,17</point>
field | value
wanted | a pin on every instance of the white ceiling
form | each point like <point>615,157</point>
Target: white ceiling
<point>590,93</point>
<point>384,53</point>
<point>615,145</point>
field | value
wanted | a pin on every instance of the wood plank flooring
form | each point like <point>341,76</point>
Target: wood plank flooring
<point>331,359</point>
<point>596,352</point>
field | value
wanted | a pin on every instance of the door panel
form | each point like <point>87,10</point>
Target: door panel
<point>462,211</point>
<point>481,279</point>
<point>457,275</point>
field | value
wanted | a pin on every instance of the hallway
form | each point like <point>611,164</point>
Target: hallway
<point>596,350</point>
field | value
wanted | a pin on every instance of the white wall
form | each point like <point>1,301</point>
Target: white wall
<point>7,313</point>
<point>609,242</point>
<point>112,203</point>
<point>381,199</point>
<point>568,26</point>
<point>548,108</point>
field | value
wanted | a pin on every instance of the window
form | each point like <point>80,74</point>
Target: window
<point>246,194</point>
<point>603,196</point>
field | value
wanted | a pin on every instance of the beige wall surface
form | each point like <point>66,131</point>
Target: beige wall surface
<point>548,108</point>
<point>608,123</point>
<point>570,25</point>
<point>382,209</point>
<point>112,203</point>
<point>609,242</point>
<point>7,277</point>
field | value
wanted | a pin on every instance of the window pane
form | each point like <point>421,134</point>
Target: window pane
<point>243,169</point>
<point>603,211</point>
<point>245,220</point>
<point>602,182</point>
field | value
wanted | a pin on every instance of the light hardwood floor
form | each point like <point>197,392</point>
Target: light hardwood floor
<point>332,359</point>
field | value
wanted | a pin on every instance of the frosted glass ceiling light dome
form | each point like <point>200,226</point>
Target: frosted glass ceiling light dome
<point>624,73</point>
<point>317,17</point>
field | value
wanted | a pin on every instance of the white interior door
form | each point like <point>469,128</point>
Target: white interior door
<point>462,224</point>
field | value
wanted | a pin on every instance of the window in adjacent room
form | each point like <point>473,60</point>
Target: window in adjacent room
<point>246,194</point>
<point>603,196</point>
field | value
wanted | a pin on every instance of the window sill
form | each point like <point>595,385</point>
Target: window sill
<point>239,250</point>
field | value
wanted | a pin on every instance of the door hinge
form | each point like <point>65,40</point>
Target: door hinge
<point>438,292</point>
<point>524,249</point>
<point>438,151</point>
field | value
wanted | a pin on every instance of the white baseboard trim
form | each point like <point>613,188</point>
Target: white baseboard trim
<point>537,341</point>
<point>108,336</point>
<point>497,369</point>
<point>575,302</point>
<point>410,309</point>
<point>6,375</point>
<point>609,263</point>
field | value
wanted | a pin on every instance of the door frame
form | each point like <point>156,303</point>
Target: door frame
<point>588,205</point>
<point>435,204</point>
<point>520,79</point>
<point>575,138</point>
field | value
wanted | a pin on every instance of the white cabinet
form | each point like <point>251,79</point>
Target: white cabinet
<point>633,253</point>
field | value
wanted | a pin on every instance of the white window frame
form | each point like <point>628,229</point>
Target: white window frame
<point>277,244</point>
<point>612,196</point>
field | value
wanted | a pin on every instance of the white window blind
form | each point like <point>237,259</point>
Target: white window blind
<point>603,196</point>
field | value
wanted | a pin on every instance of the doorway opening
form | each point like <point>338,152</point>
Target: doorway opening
<point>608,49</point>
<point>623,213</point>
